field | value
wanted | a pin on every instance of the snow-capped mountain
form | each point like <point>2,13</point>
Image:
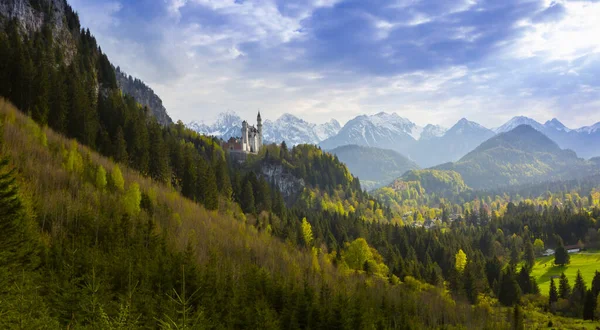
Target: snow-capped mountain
<point>294,130</point>
<point>228,124</point>
<point>518,121</point>
<point>589,129</point>
<point>432,131</point>
<point>383,130</point>
<point>288,128</point>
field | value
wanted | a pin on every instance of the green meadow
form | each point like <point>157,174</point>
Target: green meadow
<point>587,262</point>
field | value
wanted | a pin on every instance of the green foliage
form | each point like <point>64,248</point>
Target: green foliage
<point>101,177</point>
<point>561,255</point>
<point>461,260</point>
<point>522,155</point>
<point>132,199</point>
<point>117,181</point>
<point>307,234</point>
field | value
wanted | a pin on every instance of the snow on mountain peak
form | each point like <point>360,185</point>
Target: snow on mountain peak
<point>518,121</point>
<point>557,125</point>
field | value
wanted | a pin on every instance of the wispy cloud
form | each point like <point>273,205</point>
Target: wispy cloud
<point>432,61</point>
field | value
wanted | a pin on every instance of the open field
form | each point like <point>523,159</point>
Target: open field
<point>586,262</point>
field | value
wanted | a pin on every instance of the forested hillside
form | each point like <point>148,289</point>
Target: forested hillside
<point>375,167</point>
<point>111,220</point>
<point>520,156</point>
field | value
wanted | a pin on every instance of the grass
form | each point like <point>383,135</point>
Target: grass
<point>586,262</point>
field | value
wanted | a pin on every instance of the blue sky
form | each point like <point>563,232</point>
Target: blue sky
<point>430,61</point>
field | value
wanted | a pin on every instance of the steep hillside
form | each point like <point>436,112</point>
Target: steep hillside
<point>101,246</point>
<point>522,155</point>
<point>144,95</point>
<point>373,166</point>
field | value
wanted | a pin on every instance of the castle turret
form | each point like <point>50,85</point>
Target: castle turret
<point>260,132</point>
<point>245,146</point>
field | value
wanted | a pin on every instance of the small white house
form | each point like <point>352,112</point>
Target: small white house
<point>573,250</point>
<point>549,252</point>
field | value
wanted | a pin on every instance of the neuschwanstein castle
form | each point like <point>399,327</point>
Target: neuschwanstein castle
<point>251,140</point>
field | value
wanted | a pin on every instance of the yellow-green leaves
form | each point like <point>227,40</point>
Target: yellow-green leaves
<point>461,260</point>
<point>73,160</point>
<point>100,177</point>
<point>117,180</point>
<point>307,233</point>
<point>360,256</point>
<point>132,199</point>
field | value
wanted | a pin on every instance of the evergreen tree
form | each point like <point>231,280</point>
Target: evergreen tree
<point>248,198</point>
<point>564,289</point>
<point>589,306</point>
<point>578,294</point>
<point>561,255</point>
<point>529,255</point>
<point>509,288</point>
<point>553,294</point>
<point>596,284</point>
<point>211,193</point>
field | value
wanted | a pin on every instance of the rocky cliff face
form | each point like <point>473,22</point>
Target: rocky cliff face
<point>31,16</point>
<point>289,185</point>
<point>144,95</point>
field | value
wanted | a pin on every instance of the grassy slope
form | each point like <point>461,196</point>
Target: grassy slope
<point>586,262</point>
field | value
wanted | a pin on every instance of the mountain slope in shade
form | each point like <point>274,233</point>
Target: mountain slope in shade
<point>373,166</point>
<point>522,155</point>
<point>456,142</point>
<point>382,130</point>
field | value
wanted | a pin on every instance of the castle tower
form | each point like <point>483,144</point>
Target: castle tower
<point>260,132</point>
<point>245,146</point>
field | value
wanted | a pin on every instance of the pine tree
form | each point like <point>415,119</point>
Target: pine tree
<point>248,198</point>
<point>211,193</point>
<point>518,318</point>
<point>589,306</point>
<point>509,288</point>
<point>529,254</point>
<point>578,295</point>
<point>564,289</point>
<point>553,294</point>
<point>561,255</point>
<point>596,284</point>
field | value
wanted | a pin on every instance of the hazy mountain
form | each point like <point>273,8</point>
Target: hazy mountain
<point>374,167</point>
<point>383,130</point>
<point>294,130</point>
<point>584,141</point>
<point>522,155</point>
<point>288,128</point>
<point>432,131</point>
<point>456,142</point>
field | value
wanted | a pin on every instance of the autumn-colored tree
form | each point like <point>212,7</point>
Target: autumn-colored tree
<point>461,260</point>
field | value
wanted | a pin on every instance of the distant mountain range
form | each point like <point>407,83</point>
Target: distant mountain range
<point>288,128</point>
<point>373,166</point>
<point>521,155</point>
<point>585,141</point>
<point>428,146</point>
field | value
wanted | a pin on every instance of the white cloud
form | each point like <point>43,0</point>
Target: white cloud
<point>575,35</point>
